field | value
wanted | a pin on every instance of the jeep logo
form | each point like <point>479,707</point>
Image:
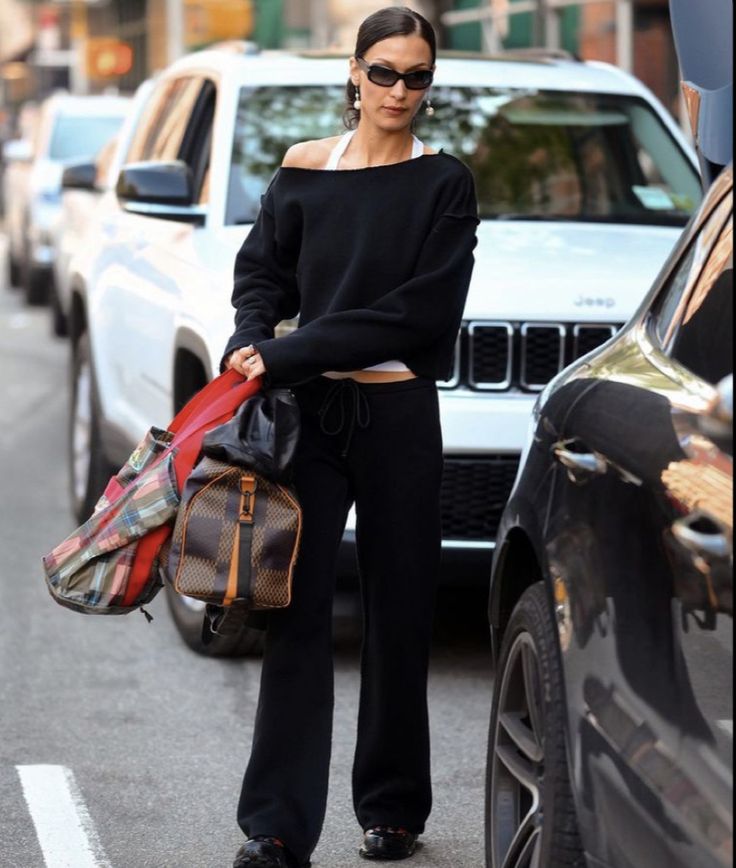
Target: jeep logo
<point>589,301</point>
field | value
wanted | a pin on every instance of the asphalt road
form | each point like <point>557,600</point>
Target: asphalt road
<point>153,738</point>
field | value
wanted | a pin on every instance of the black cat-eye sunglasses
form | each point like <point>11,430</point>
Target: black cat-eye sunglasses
<point>420,79</point>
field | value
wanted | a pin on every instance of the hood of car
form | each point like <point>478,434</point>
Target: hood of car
<point>586,272</point>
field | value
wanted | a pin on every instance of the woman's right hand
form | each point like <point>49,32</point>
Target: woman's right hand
<point>246,361</point>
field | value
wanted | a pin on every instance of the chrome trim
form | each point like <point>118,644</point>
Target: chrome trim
<point>490,386</point>
<point>194,213</point>
<point>525,329</point>
<point>582,326</point>
<point>454,381</point>
<point>468,544</point>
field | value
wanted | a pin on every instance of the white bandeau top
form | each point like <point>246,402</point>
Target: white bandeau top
<point>332,166</point>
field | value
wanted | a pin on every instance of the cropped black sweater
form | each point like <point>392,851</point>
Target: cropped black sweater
<point>376,262</point>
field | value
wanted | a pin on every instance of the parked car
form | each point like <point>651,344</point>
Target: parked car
<point>18,149</point>
<point>69,128</point>
<point>82,183</point>
<point>611,598</point>
<point>611,605</point>
<point>584,184</point>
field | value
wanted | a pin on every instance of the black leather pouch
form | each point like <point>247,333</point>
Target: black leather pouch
<point>262,436</point>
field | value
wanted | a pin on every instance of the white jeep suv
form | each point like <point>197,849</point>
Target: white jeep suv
<point>584,183</point>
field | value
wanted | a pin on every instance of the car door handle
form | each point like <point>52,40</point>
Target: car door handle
<point>579,463</point>
<point>702,535</point>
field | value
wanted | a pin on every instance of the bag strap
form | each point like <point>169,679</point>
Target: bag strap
<point>221,385</point>
<point>212,406</point>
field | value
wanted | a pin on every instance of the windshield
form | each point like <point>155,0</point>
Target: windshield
<point>76,137</point>
<point>535,155</point>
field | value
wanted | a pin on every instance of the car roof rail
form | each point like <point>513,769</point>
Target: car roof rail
<point>534,54</point>
<point>537,52</point>
<point>322,53</point>
<point>235,46</point>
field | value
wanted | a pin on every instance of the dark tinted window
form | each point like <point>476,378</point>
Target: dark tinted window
<point>703,342</point>
<point>535,155</point>
<point>692,320</point>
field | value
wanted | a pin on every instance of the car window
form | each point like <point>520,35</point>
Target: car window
<point>703,342</point>
<point>76,137</point>
<point>692,319</point>
<point>177,125</point>
<point>103,162</point>
<point>535,155</point>
<point>196,145</point>
<point>163,125</point>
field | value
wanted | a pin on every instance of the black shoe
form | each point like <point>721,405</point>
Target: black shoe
<point>265,852</point>
<point>388,842</point>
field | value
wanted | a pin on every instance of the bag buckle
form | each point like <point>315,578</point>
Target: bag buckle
<point>248,486</point>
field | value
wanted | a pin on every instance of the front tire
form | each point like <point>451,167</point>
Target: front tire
<point>36,285</point>
<point>189,615</point>
<point>59,320</point>
<point>89,469</point>
<point>530,813</point>
<point>15,275</point>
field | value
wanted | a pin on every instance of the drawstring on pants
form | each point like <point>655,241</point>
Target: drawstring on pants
<point>359,414</point>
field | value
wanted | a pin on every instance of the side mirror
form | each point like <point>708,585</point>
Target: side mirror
<point>159,189</point>
<point>79,176</point>
<point>18,151</point>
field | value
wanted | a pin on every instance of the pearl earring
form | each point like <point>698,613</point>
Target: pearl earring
<point>429,110</point>
<point>357,103</point>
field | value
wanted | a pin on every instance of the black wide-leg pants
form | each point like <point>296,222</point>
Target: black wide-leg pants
<point>379,446</point>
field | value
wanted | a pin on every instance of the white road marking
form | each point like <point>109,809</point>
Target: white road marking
<point>726,726</point>
<point>63,824</point>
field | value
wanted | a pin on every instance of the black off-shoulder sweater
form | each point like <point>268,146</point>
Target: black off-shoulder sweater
<point>376,262</point>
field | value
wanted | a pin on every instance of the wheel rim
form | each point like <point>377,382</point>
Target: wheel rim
<point>82,430</point>
<point>192,604</point>
<point>517,762</point>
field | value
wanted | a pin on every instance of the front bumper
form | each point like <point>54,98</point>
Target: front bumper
<point>465,563</point>
<point>484,434</point>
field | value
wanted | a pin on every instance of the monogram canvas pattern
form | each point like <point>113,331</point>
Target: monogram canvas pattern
<point>272,550</point>
<point>206,535</point>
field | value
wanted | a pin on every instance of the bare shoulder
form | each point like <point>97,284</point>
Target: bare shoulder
<point>429,152</point>
<point>310,155</point>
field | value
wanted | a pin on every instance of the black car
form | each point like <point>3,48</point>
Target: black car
<point>611,601</point>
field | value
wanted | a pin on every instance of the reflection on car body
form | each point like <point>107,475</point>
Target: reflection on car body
<point>621,520</point>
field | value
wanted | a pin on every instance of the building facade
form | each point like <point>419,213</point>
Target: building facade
<point>102,44</point>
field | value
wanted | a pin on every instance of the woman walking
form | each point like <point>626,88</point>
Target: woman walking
<point>369,237</point>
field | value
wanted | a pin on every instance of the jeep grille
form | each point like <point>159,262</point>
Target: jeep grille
<point>474,493</point>
<point>500,356</point>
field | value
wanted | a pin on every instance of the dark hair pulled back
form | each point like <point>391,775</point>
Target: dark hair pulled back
<point>388,22</point>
